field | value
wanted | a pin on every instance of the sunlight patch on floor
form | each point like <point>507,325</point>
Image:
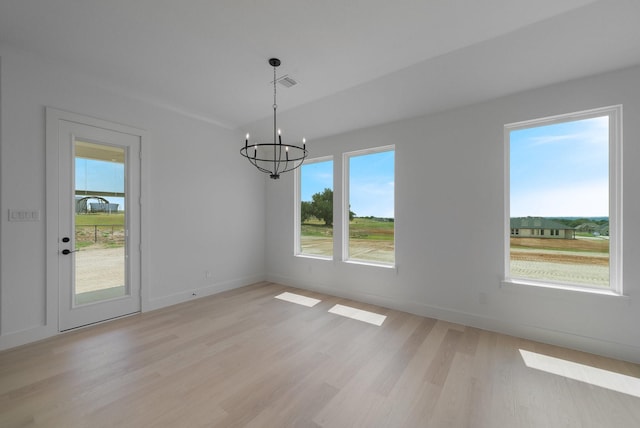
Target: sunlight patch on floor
<point>580,372</point>
<point>358,314</point>
<point>298,299</point>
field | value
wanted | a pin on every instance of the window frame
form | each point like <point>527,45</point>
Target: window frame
<point>297,184</point>
<point>615,198</point>
<point>345,208</point>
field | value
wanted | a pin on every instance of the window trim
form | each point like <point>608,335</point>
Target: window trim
<point>345,205</point>
<point>615,199</point>
<point>297,188</point>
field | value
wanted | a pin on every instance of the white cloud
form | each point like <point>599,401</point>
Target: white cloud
<point>593,131</point>
<point>550,139</point>
<point>584,200</point>
<point>372,200</point>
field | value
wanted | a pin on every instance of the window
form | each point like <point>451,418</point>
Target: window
<point>314,235</point>
<point>369,215</point>
<point>564,175</point>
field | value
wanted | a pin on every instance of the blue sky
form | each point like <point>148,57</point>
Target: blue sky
<point>560,170</point>
<point>101,176</point>
<point>371,184</point>
<point>314,178</point>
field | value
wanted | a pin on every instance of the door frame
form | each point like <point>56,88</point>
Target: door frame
<point>53,118</point>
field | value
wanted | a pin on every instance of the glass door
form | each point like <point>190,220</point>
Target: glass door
<point>99,224</point>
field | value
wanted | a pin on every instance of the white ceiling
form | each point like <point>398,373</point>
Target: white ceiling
<point>359,62</point>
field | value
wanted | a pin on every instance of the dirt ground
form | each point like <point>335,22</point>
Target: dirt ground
<point>600,245</point>
<point>98,268</point>
<point>590,275</point>
<point>370,250</point>
<point>554,260</point>
<point>571,258</point>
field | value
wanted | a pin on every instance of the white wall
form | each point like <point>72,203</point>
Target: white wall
<point>207,210</point>
<point>449,223</point>
<point>203,200</point>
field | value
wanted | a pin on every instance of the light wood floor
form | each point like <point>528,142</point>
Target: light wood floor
<point>243,358</point>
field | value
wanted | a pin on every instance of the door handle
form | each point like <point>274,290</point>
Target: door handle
<point>65,251</point>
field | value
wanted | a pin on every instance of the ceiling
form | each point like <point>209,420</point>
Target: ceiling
<point>359,62</point>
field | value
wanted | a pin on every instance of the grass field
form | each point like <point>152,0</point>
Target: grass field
<point>100,218</point>
<point>371,229</point>
<point>100,230</point>
<point>313,227</point>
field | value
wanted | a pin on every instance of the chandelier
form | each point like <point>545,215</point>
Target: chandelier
<point>274,158</point>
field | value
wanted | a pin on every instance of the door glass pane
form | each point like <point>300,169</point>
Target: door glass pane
<point>100,262</point>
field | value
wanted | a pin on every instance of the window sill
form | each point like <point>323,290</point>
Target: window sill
<point>523,284</point>
<point>313,256</point>
<point>372,264</point>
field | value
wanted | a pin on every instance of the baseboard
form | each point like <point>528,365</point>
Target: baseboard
<point>568,340</point>
<point>592,345</point>
<point>195,293</point>
<point>34,334</point>
<point>23,337</point>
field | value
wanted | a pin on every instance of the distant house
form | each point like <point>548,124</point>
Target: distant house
<point>540,227</point>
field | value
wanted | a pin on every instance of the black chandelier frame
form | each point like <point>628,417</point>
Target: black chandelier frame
<point>274,158</point>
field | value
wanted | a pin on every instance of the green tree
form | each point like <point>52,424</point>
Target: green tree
<point>322,206</point>
<point>306,211</point>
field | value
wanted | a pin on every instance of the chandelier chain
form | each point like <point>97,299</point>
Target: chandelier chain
<point>275,106</point>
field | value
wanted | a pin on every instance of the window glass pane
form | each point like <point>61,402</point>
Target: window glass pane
<point>559,202</point>
<point>316,208</point>
<point>371,207</point>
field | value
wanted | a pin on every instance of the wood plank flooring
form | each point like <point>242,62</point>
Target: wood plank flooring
<point>243,358</point>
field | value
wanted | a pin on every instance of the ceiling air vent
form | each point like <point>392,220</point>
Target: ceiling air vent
<point>287,81</point>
